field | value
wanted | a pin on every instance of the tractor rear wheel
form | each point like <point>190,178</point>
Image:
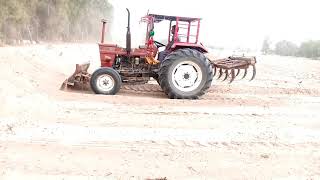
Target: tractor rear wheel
<point>185,74</point>
<point>105,81</point>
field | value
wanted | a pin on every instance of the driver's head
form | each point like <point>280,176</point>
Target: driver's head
<point>173,29</point>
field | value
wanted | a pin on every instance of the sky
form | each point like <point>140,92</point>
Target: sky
<point>226,23</point>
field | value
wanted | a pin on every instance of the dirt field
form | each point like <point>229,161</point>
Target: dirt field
<point>267,128</point>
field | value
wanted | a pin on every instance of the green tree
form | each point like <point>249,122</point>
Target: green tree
<point>286,48</point>
<point>310,49</point>
<point>266,46</point>
<point>62,20</point>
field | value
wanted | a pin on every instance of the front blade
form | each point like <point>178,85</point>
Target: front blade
<point>79,79</point>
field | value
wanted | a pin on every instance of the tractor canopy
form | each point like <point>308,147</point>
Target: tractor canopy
<point>159,18</point>
<point>183,31</point>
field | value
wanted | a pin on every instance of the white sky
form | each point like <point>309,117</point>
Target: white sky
<point>229,23</point>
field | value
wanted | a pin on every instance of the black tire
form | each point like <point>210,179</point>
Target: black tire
<point>113,77</point>
<point>157,79</point>
<point>191,58</point>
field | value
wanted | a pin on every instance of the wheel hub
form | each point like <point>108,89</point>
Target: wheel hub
<point>187,76</point>
<point>105,82</point>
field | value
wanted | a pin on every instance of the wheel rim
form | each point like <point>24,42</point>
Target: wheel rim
<point>187,76</point>
<point>105,82</point>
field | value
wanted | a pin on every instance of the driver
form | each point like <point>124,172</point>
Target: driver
<point>164,53</point>
<point>173,31</point>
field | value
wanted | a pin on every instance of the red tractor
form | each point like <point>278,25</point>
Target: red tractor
<point>182,69</point>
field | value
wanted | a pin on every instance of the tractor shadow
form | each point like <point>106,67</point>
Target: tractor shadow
<point>141,90</point>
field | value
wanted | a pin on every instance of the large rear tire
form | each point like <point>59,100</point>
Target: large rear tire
<point>105,81</point>
<point>185,74</point>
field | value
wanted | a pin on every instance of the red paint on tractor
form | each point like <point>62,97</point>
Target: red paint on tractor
<point>137,65</point>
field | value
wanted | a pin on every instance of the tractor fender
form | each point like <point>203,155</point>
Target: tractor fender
<point>181,45</point>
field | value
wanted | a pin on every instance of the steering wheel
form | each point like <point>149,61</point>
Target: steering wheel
<point>158,44</point>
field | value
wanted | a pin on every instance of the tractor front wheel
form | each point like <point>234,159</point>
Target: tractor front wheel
<point>185,74</point>
<point>105,81</point>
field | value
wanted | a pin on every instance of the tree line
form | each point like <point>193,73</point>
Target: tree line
<point>308,49</point>
<point>52,20</point>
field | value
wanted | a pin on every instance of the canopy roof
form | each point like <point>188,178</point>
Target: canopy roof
<point>159,18</point>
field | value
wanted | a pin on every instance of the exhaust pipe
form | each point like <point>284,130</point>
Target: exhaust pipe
<point>128,37</point>
<point>103,30</point>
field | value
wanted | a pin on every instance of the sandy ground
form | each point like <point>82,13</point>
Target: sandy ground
<point>264,129</point>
